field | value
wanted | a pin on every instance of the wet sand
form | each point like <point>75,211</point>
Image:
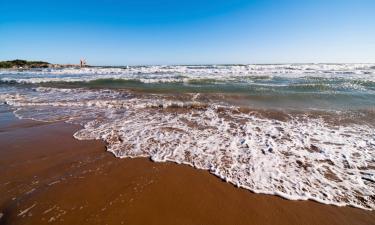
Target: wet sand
<point>48,177</point>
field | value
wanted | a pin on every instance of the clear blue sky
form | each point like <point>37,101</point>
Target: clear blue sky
<point>125,32</point>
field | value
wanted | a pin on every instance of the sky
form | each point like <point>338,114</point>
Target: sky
<point>140,32</point>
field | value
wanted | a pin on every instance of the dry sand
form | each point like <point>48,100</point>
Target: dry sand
<point>47,177</point>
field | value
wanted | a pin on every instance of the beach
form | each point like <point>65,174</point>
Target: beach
<point>48,177</point>
<point>187,112</point>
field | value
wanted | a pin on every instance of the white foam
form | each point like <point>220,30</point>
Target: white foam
<point>167,74</point>
<point>301,157</point>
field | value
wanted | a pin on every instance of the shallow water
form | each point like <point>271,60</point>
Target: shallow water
<point>297,131</point>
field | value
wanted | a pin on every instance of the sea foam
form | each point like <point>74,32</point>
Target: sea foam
<point>297,156</point>
<point>171,74</point>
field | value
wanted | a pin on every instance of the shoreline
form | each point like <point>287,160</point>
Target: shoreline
<point>48,176</point>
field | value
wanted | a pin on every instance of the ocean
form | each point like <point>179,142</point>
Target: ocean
<point>299,131</point>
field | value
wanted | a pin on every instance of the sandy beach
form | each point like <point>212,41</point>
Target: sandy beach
<point>48,177</point>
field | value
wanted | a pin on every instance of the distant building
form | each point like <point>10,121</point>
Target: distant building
<point>82,62</point>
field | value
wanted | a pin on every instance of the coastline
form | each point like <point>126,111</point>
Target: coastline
<point>48,176</point>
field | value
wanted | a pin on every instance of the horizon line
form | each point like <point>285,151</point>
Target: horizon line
<point>195,64</point>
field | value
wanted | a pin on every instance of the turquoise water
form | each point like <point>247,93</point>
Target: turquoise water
<point>310,86</point>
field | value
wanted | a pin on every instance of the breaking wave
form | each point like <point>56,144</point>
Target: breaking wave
<point>160,74</point>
